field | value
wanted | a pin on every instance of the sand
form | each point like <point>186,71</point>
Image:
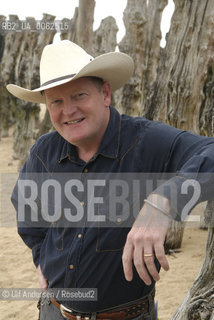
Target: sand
<point>17,269</point>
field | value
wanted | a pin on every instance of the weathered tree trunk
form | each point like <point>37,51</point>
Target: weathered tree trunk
<point>27,75</point>
<point>45,125</point>
<point>20,65</point>
<point>2,19</point>
<point>71,33</point>
<point>135,19</point>
<point>84,25</point>
<point>177,93</point>
<point>174,236</point>
<point>105,37</point>
<point>199,301</point>
<point>206,115</point>
<point>81,31</point>
<point>142,42</point>
<point>190,105</point>
<point>10,45</point>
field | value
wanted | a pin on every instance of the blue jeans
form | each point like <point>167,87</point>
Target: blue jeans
<point>48,311</point>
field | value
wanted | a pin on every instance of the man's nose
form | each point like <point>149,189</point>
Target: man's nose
<point>69,106</point>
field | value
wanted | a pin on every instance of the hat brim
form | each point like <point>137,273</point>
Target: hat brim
<point>114,67</point>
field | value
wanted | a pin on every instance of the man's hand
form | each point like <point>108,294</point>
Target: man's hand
<point>42,281</point>
<point>145,239</point>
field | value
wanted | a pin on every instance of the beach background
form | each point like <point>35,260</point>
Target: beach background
<point>17,269</point>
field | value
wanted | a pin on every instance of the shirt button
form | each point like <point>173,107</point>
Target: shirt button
<point>79,236</point>
<point>85,170</point>
<point>71,266</point>
<point>119,220</point>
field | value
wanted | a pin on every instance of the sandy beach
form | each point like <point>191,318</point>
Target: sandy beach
<point>17,269</point>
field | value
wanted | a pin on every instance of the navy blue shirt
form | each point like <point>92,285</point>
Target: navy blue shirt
<point>84,257</point>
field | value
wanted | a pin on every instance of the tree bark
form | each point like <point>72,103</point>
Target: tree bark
<point>84,25</point>
<point>206,114</point>
<point>81,30</point>
<point>135,20</point>
<point>199,301</point>
<point>10,45</point>
<point>81,26</point>
<point>174,236</point>
<point>71,33</point>
<point>142,42</point>
<point>2,19</point>
<point>45,125</point>
<point>105,37</point>
<point>27,60</point>
<point>177,93</point>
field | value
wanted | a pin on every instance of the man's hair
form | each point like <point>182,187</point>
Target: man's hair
<point>98,82</point>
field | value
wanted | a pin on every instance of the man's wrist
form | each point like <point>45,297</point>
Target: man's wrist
<point>160,203</point>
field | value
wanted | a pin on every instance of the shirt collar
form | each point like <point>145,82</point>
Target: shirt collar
<point>109,146</point>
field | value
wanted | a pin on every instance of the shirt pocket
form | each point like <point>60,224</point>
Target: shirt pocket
<point>111,234</point>
<point>111,239</point>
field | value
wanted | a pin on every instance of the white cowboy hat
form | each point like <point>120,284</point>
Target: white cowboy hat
<point>64,61</point>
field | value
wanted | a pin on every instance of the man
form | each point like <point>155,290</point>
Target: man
<point>121,261</point>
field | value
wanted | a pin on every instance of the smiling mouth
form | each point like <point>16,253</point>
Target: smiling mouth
<point>74,121</point>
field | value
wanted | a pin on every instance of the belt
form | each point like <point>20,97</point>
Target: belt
<point>118,313</point>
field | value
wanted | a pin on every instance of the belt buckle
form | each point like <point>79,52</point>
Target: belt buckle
<point>63,309</point>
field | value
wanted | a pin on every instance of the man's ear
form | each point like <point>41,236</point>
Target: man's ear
<point>107,93</point>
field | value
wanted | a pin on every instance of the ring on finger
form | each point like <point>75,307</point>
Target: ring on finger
<point>148,255</point>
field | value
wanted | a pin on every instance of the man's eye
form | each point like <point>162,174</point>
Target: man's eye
<point>81,95</point>
<point>57,101</point>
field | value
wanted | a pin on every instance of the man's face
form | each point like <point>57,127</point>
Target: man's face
<point>79,111</point>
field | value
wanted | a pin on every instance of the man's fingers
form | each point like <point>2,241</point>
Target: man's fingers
<point>160,255</point>
<point>127,261</point>
<point>143,245</point>
<point>148,255</point>
<point>150,264</point>
<point>140,266</point>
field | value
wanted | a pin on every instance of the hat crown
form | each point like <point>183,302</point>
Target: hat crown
<point>65,61</point>
<point>61,59</point>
